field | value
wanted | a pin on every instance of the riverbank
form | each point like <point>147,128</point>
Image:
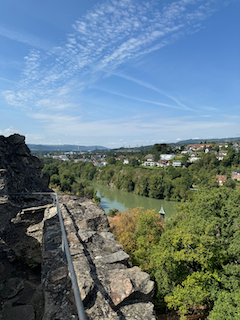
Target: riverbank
<point>112,198</point>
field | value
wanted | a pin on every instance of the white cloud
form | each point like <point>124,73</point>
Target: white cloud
<point>24,38</point>
<point>8,131</point>
<point>151,87</point>
<point>34,138</point>
<point>144,100</point>
<point>7,80</point>
<point>138,128</point>
<point>109,35</point>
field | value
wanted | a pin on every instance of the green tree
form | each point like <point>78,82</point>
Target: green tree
<point>133,162</point>
<point>50,168</point>
<point>112,212</point>
<point>111,160</point>
<point>55,180</point>
<point>202,240</point>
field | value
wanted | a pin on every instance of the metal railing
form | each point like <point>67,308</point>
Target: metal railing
<point>65,248</point>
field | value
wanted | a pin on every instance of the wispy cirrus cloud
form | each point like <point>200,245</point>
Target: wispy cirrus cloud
<point>24,38</point>
<point>151,87</point>
<point>7,80</point>
<point>109,35</point>
<point>146,101</point>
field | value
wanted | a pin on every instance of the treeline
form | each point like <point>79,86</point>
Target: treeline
<point>71,178</point>
<point>170,183</point>
<point>194,258</point>
<point>167,183</point>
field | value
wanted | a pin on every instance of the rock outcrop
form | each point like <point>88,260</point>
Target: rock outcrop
<point>21,293</point>
<point>110,288</point>
<point>34,275</point>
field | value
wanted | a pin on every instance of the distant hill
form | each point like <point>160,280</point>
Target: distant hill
<point>180,143</point>
<point>70,147</point>
<point>64,147</point>
<point>193,141</point>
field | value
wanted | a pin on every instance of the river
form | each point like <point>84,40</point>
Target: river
<point>112,198</point>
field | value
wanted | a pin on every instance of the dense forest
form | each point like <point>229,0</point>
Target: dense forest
<point>194,258</point>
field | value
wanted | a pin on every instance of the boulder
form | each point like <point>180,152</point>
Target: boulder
<point>130,284</point>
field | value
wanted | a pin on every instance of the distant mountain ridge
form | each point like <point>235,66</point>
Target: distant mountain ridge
<point>64,147</point>
<point>70,147</point>
<point>216,140</point>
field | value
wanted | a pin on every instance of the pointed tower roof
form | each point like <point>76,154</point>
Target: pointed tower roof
<point>161,211</point>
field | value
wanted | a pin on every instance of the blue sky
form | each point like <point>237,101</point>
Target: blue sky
<point>119,73</point>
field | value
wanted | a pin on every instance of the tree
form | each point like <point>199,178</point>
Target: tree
<point>51,169</point>
<point>193,292</point>
<point>185,159</point>
<point>198,255</point>
<point>230,184</point>
<point>133,162</point>
<point>138,231</point>
<point>125,227</point>
<point>112,212</point>
<point>55,180</point>
<point>148,233</point>
<point>111,160</point>
<point>156,157</point>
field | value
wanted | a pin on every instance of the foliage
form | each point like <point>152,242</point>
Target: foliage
<point>111,160</point>
<point>160,183</point>
<point>72,178</point>
<point>197,256</point>
<point>133,162</point>
<point>156,183</point>
<point>138,231</point>
<point>112,212</point>
<point>160,148</point>
<point>125,227</point>
<point>95,198</point>
<point>195,260</point>
<point>193,292</point>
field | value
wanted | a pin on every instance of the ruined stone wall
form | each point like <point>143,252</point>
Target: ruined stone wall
<point>110,288</point>
<point>21,295</point>
<point>20,172</point>
<point>34,276</point>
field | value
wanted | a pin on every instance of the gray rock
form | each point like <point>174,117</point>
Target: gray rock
<point>137,311</point>
<point>130,284</point>
<point>58,274</point>
<point>11,287</point>
<point>119,256</point>
<point>86,287</point>
<point>85,235</point>
<point>18,313</point>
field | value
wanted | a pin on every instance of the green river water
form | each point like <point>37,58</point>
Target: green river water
<point>112,198</point>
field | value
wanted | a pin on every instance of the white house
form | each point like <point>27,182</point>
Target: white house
<point>149,157</point>
<point>193,157</point>
<point>167,157</point>
<point>163,163</point>
<point>149,163</point>
<point>63,157</point>
<point>222,154</point>
<point>176,163</point>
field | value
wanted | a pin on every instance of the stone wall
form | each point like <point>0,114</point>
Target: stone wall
<point>21,293</point>
<point>110,288</point>
<point>34,276</point>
